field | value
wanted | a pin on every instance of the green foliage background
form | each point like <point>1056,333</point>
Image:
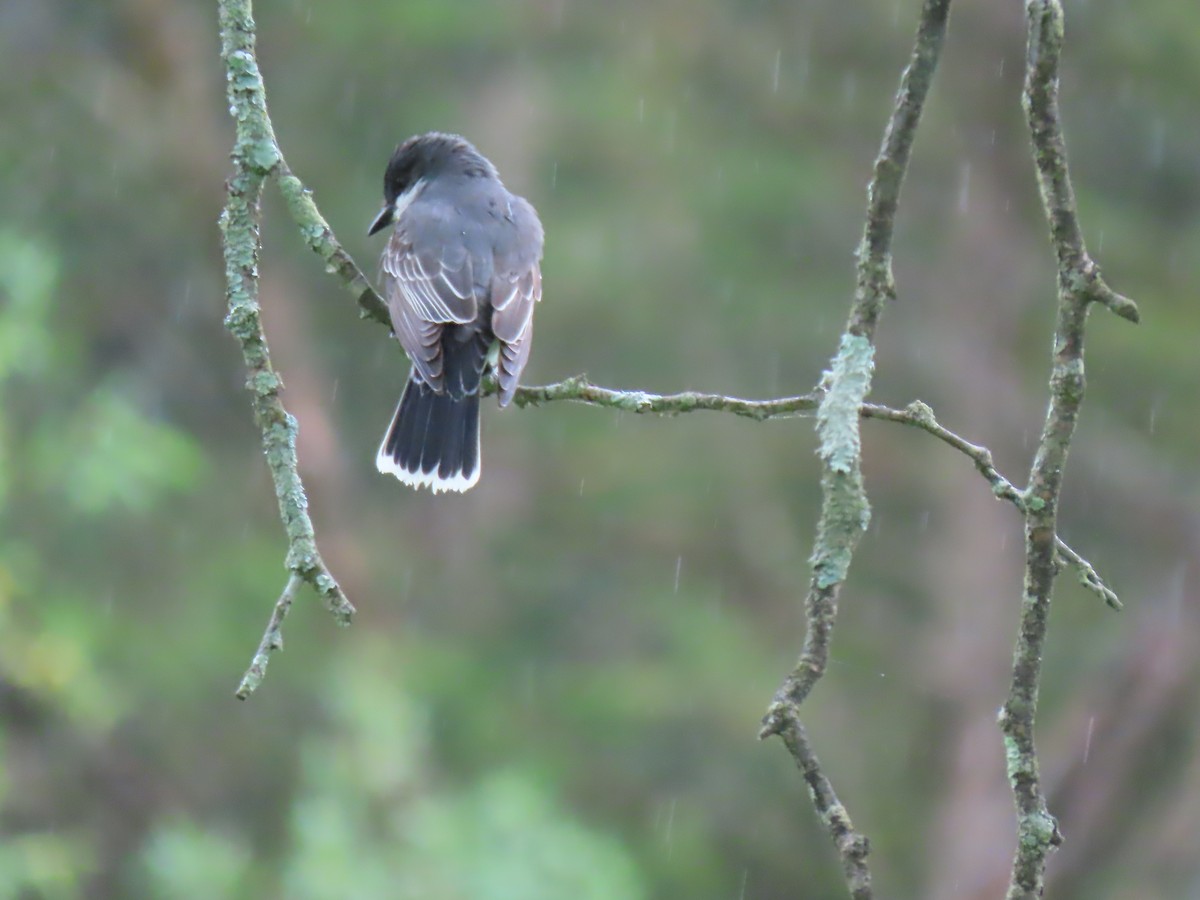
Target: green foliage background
<point>553,684</point>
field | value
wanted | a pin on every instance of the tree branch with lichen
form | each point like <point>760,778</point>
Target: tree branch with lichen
<point>577,389</point>
<point>1079,285</point>
<point>838,405</point>
<point>845,511</point>
<point>255,158</point>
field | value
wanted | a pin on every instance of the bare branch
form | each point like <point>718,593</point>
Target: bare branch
<point>1079,283</point>
<point>875,282</point>
<point>272,639</point>
<point>852,847</point>
<point>917,414</point>
<point>579,390</point>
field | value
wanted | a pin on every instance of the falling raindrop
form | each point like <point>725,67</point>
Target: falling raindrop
<point>670,828</point>
<point>1154,407</point>
<point>333,396</point>
<point>745,878</point>
<point>581,482</point>
<point>1158,143</point>
<point>1087,741</point>
<point>672,121</point>
<point>801,73</point>
<point>679,568</point>
<point>529,683</point>
<point>964,187</point>
<point>775,71</point>
<point>182,300</point>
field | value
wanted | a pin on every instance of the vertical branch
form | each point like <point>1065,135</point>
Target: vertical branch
<point>255,155</point>
<point>875,284</point>
<point>845,510</point>
<point>1079,284</point>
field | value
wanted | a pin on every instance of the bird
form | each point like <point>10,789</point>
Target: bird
<point>461,276</point>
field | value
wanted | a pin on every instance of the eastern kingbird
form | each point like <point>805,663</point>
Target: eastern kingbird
<point>461,276</point>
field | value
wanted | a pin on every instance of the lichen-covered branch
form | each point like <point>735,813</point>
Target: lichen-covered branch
<point>1079,284</point>
<point>844,507</point>
<point>272,638</point>
<point>875,285</point>
<point>322,241</point>
<point>919,415</point>
<point>839,404</point>
<point>577,389</point>
<point>852,846</point>
<point>255,156</point>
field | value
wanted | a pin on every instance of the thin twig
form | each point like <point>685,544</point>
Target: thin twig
<point>255,156</point>
<point>577,389</point>
<point>272,639</point>
<point>322,241</point>
<point>919,415</point>
<point>1079,284</point>
<point>852,846</point>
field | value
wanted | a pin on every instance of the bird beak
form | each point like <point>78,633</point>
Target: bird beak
<point>383,220</point>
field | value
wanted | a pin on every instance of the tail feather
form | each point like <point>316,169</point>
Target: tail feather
<point>433,440</point>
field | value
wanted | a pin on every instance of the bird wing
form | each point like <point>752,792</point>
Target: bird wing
<point>428,283</point>
<point>516,290</point>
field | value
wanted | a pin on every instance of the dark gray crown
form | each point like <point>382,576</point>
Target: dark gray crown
<point>428,155</point>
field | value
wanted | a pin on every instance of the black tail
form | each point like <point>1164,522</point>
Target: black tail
<point>433,440</point>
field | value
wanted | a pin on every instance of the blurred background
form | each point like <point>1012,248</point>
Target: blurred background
<point>553,684</point>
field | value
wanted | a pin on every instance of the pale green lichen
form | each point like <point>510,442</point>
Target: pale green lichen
<point>845,512</point>
<point>837,418</point>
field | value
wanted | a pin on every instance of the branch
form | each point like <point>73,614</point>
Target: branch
<point>852,846</point>
<point>839,404</point>
<point>322,241</point>
<point>1079,284</point>
<point>875,282</point>
<point>845,511</point>
<point>272,639</point>
<point>577,389</point>
<point>255,156</point>
<point>919,415</point>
